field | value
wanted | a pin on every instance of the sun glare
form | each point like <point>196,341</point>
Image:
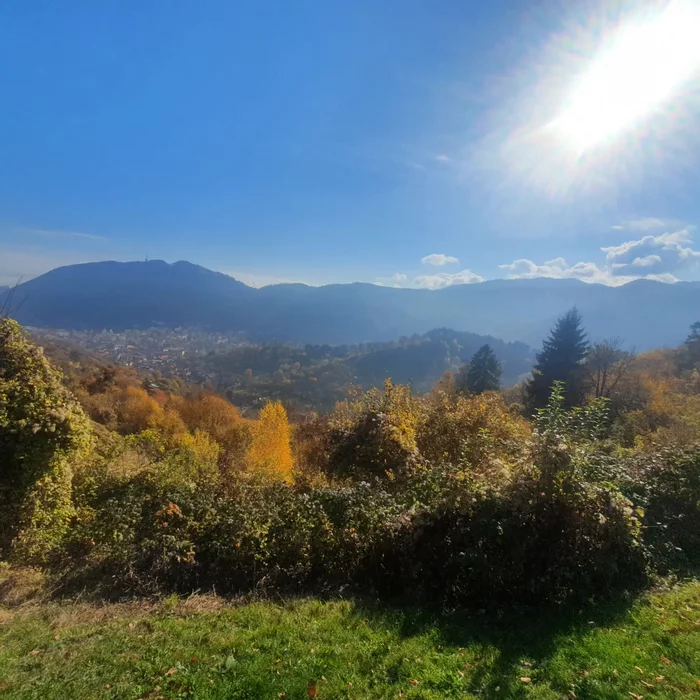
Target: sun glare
<point>643,66</point>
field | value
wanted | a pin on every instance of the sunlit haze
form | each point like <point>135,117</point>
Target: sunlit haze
<point>639,68</point>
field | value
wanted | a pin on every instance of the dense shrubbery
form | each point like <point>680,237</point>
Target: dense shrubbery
<point>42,432</point>
<point>448,497</point>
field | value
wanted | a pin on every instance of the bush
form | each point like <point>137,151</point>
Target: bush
<point>478,432</point>
<point>667,485</point>
<point>375,437</point>
<point>521,545</point>
<point>42,431</point>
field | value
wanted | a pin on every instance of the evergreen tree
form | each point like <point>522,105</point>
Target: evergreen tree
<point>484,371</point>
<point>560,360</point>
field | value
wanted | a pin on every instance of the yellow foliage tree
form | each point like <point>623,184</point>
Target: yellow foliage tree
<point>203,448</point>
<point>270,450</point>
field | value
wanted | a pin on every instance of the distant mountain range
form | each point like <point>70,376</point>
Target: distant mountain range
<point>116,295</point>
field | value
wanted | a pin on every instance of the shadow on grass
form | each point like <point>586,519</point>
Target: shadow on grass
<point>518,634</point>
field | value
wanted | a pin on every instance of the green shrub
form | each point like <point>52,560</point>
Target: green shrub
<point>521,545</point>
<point>42,433</point>
<point>667,485</point>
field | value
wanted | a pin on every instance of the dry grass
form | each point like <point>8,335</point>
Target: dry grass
<point>21,585</point>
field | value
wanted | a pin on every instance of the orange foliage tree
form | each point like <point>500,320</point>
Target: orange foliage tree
<point>220,420</point>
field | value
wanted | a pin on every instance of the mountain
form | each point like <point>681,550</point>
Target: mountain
<point>114,295</point>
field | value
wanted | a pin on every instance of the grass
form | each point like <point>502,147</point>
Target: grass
<point>203,647</point>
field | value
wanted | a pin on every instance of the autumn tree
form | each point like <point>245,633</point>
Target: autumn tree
<point>459,379</point>
<point>484,371</point>
<point>561,360</point>
<point>42,432</point>
<point>219,419</point>
<point>606,364</point>
<point>270,450</point>
<point>136,410</point>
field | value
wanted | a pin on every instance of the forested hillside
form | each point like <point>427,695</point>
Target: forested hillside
<point>362,496</point>
<point>111,295</point>
<point>308,378</point>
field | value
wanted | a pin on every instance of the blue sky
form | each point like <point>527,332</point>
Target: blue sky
<point>396,142</point>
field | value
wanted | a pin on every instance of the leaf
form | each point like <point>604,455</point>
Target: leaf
<point>171,672</point>
<point>527,664</point>
<point>647,685</point>
<point>660,678</point>
<point>312,689</point>
<point>35,652</point>
<point>526,680</point>
<point>413,681</point>
<point>635,696</point>
<point>665,660</point>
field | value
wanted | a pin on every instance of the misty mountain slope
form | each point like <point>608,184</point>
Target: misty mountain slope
<point>644,313</point>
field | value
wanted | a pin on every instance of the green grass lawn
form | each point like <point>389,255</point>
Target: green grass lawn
<point>206,648</point>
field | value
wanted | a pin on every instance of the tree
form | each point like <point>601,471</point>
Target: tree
<point>221,420</point>
<point>42,431</point>
<point>270,450</point>
<point>484,371</point>
<point>459,382</point>
<point>692,347</point>
<point>606,364</point>
<point>561,360</point>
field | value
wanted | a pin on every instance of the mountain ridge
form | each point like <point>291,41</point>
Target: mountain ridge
<point>111,294</point>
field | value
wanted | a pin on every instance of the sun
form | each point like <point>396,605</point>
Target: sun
<point>642,67</point>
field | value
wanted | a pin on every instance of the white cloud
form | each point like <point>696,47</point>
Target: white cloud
<point>560,269</point>
<point>438,259</point>
<point>647,261</point>
<point>396,280</point>
<point>442,158</point>
<point>654,257</point>
<point>446,279</point>
<point>665,253</point>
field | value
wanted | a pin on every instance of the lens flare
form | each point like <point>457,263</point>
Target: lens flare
<point>643,66</point>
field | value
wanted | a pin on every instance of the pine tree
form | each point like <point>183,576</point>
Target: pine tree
<point>560,360</point>
<point>484,371</point>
